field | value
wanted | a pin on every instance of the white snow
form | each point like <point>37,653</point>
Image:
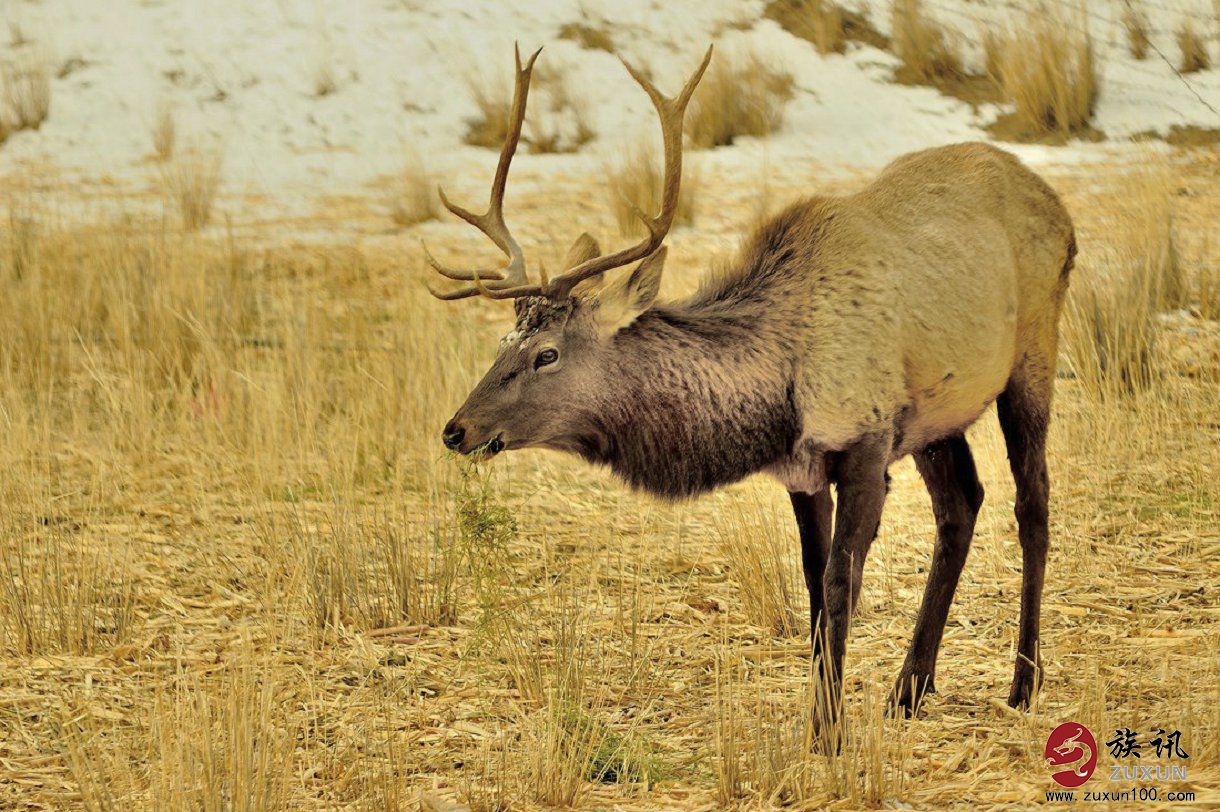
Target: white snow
<point>240,77</point>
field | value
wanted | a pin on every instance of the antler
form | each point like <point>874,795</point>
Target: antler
<point>671,112</point>
<point>512,282</point>
<point>504,282</point>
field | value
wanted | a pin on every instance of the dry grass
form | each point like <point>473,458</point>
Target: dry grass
<point>635,183</point>
<point>1193,48</point>
<point>594,39</point>
<point>1112,326</point>
<point>191,183</point>
<point>413,198</point>
<point>762,561</point>
<point>325,78</point>
<point>558,120</point>
<point>1047,71</point>
<point>818,21</point>
<point>827,25</point>
<point>236,571</point>
<point>929,52</point>
<point>739,95</point>
<point>492,98</point>
<point>27,93</point>
<point>164,133</point>
<point>1135,23</point>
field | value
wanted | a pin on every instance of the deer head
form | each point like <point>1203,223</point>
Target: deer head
<point>551,370</point>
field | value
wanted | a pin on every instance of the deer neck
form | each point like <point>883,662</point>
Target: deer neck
<point>693,399</point>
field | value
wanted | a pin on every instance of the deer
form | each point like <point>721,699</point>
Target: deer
<point>851,331</point>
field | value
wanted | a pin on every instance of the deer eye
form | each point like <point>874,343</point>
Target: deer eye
<point>547,356</point>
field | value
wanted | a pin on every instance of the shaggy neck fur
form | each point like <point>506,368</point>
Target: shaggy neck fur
<point>691,401</point>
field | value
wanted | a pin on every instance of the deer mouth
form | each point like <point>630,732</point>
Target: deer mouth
<point>488,449</point>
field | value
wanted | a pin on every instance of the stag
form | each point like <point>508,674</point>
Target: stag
<point>850,332</point>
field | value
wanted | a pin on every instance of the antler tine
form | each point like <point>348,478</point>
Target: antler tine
<point>672,112</point>
<point>510,281</point>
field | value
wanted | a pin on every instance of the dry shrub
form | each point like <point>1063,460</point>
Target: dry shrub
<point>1193,48</point>
<point>164,133</point>
<point>27,93</point>
<point>738,96</point>
<point>757,543</point>
<point>413,198</point>
<point>558,120</point>
<point>594,39</point>
<point>928,51</point>
<point>192,182</point>
<point>1047,71</point>
<point>1135,22</point>
<point>636,184</point>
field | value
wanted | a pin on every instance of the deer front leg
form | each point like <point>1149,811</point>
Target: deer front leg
<point>860,477</point>
<point>814,515</point>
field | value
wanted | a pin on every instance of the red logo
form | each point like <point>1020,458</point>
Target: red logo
<point>1072,747</point>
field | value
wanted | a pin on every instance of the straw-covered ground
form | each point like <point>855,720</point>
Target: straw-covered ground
<point>236,572</point>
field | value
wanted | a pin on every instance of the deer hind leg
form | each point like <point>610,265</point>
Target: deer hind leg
<point>1024,411</point>
<point>948,471</point>
<point>814,516</point>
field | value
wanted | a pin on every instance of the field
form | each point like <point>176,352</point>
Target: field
<point>238,572</point>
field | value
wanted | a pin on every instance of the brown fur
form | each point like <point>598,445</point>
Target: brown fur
<point>851,331</point>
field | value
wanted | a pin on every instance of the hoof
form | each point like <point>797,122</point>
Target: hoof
<point>909,693</point>
<point>1024,687</point>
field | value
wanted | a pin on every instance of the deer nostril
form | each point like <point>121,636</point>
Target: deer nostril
<point>452,435</point>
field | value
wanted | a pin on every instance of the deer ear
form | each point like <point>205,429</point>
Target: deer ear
<point>584,249</point>
<point>622,302</point>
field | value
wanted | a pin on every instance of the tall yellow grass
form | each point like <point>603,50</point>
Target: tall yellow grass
<point>1048,71</point>
<point>929,52</point>
<point>238,571</point>
<point>739,95</point>
<point>635,182</point>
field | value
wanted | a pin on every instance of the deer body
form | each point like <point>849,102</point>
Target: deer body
<point>851,331</point>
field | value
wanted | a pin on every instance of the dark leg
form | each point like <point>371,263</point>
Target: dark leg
<point>861,482</point>
<point>1024,412</point>
<point>814,513</point>
<point>948,472</point>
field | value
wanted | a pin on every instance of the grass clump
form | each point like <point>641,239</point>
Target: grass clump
<point>1111,328</point>
<point>413,197</point>
<point>636,184</point>
<point>761,562</point>
<point>192,182</point>
<point>588,37</point>
<point>825,24</point>
<point>27,94</point>
<point>557,121</point>
<point>1048,72</point>
<point>164,133</point>
<point>928,51</point>
<point>1193,48</point>
<point>738,96</point>
<point>1135,23</point>
<point>560,122</point>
